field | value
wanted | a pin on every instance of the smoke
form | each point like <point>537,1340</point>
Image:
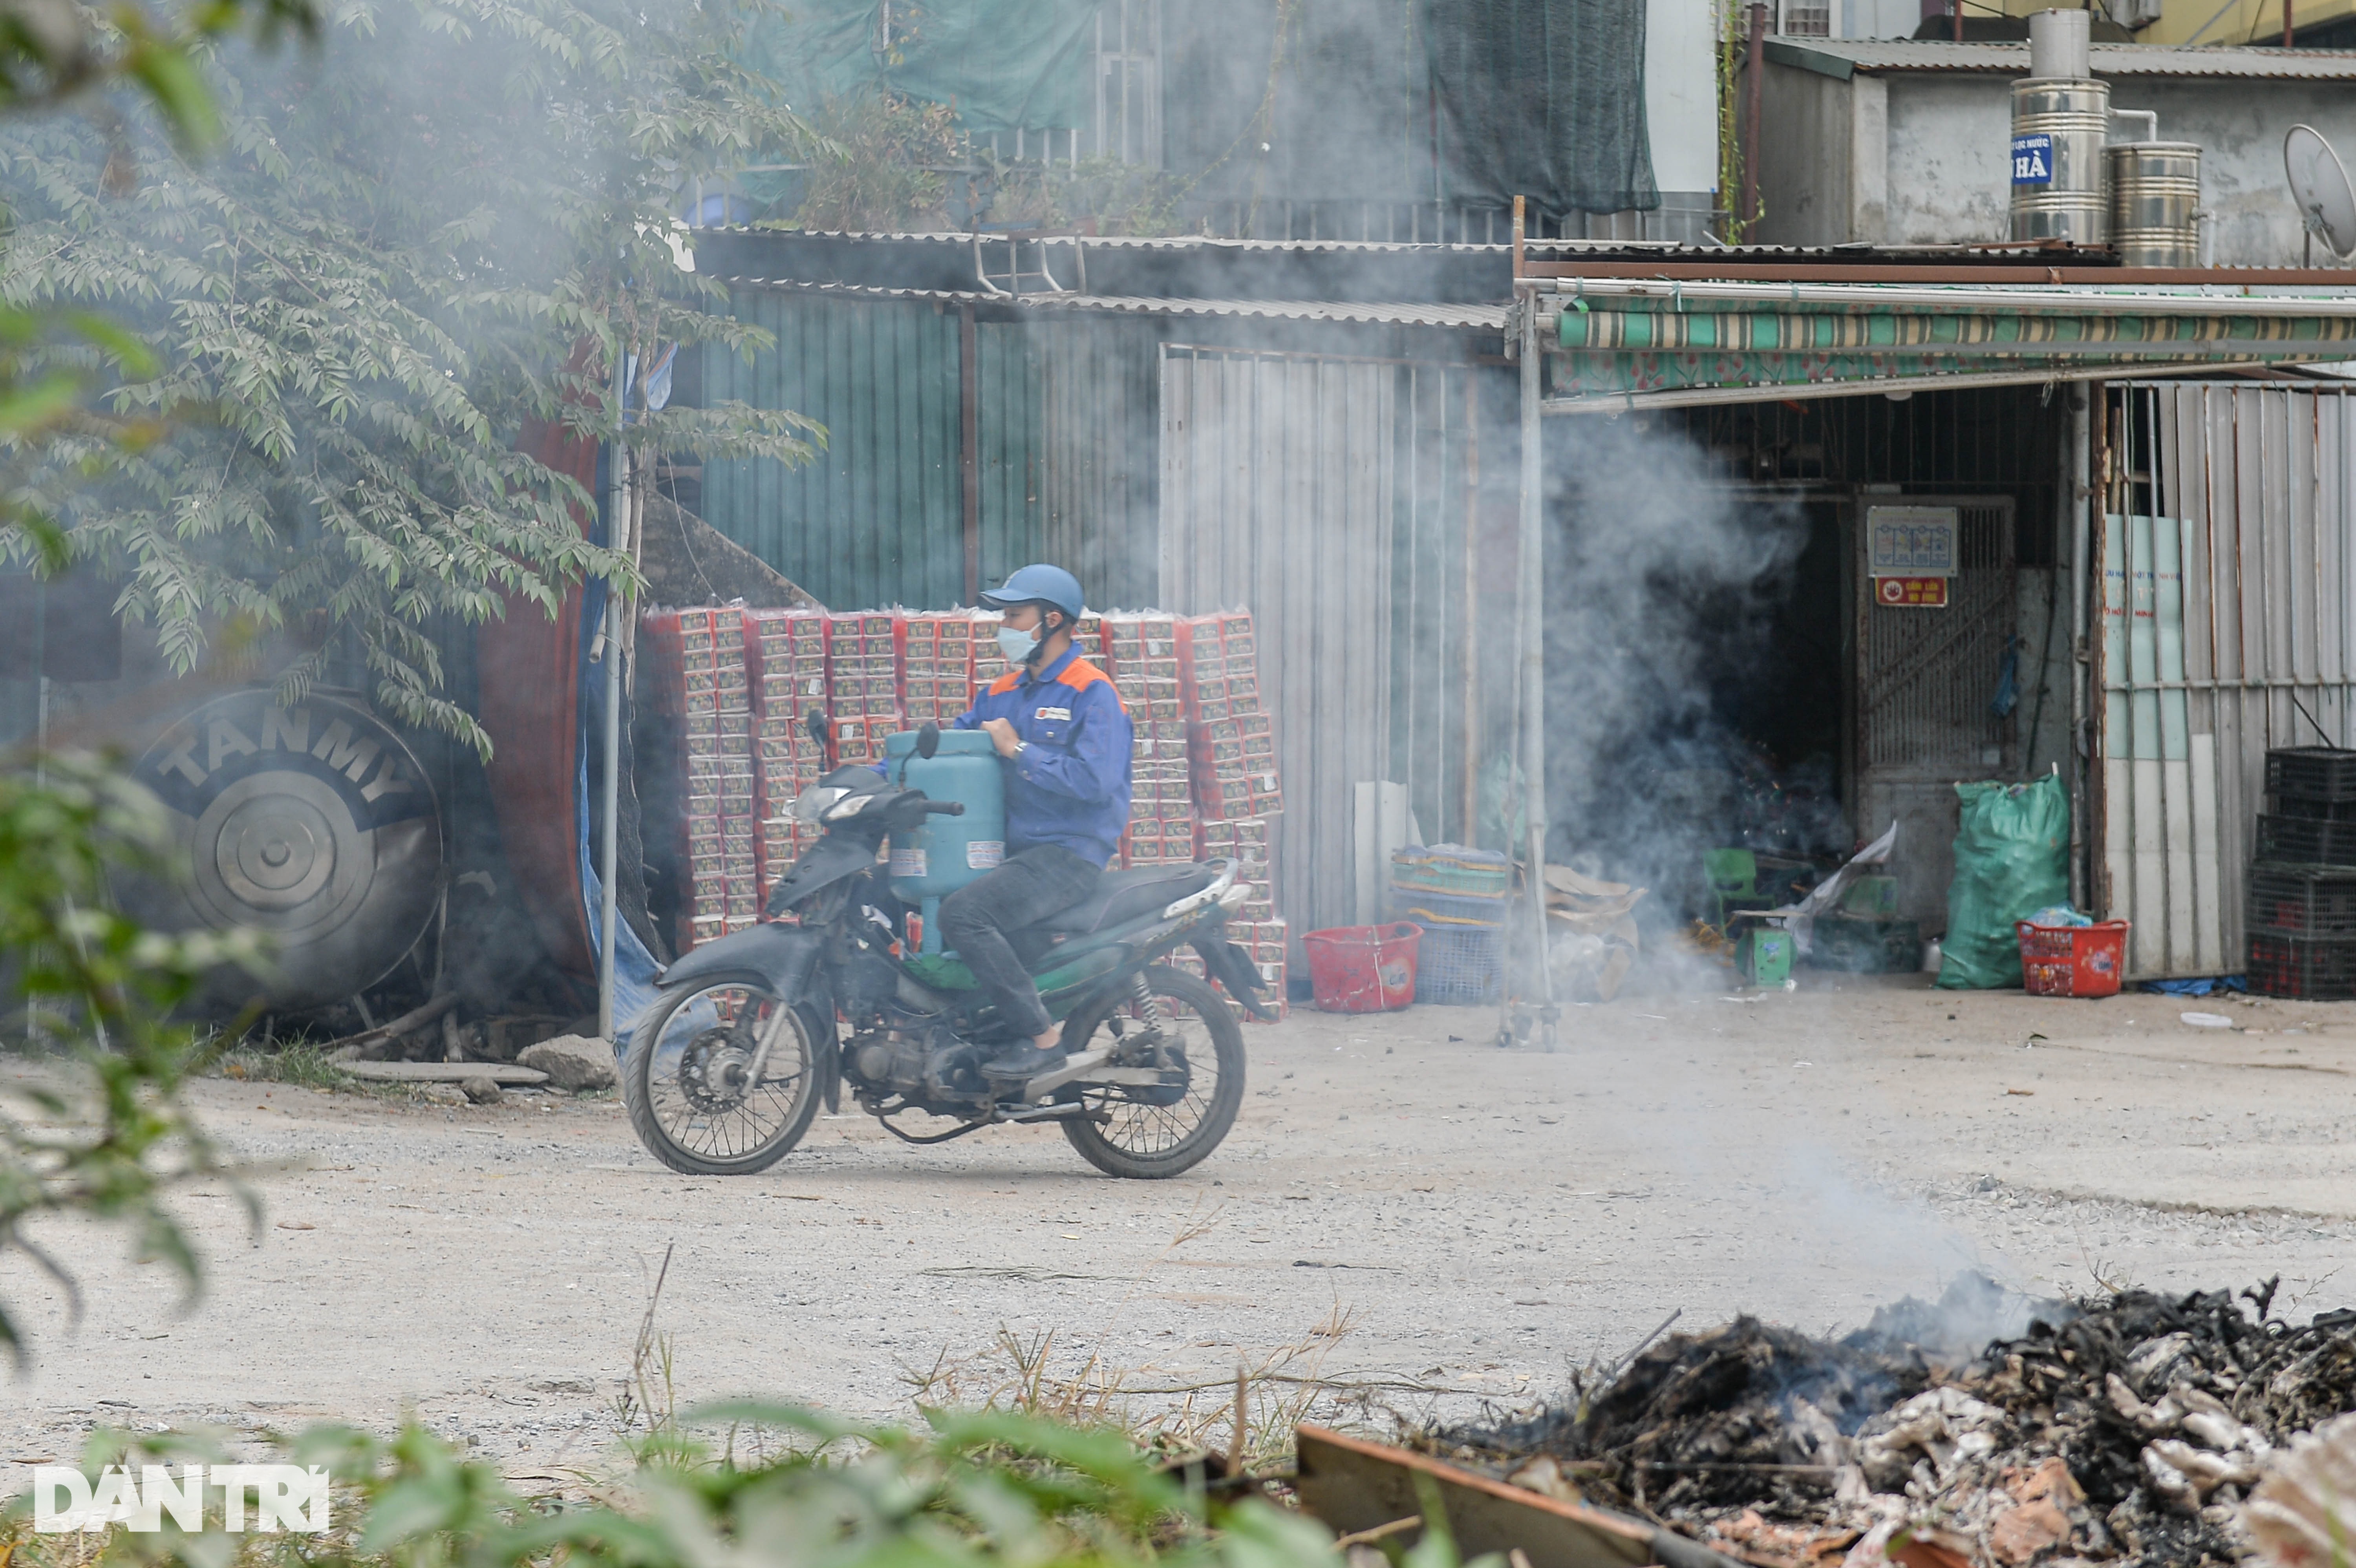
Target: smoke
<point>1665,585</point>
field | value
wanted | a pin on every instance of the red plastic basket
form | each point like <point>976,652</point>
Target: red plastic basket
<point>1363,968</point>
<point>2073,960</point>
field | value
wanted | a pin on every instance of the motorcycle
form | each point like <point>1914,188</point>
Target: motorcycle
<point>749,1034</point>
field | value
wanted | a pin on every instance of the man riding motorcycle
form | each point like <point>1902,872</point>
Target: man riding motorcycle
<point>1063,741</point>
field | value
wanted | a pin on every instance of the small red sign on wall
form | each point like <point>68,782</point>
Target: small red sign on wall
<point>1911,592</point>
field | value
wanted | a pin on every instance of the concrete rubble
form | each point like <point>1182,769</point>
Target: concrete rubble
<point>573,1062</point>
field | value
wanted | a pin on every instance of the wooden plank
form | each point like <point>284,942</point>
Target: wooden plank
<point>499,1072</point>
<point>1350,1485</point>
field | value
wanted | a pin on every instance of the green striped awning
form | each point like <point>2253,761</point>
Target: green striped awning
<point>1619,343</point>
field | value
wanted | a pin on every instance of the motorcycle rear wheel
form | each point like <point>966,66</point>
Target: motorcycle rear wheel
<point>1149,1143</point>
<point>681,1078</point>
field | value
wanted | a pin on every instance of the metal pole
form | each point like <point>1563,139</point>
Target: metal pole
<point>2287,13</point>
<point>1471,649</point>
<point>1757,70</point>
<point>970,447</point>
<point>611,653</point>
<point>2081,494</point>
<point>1532,611</point>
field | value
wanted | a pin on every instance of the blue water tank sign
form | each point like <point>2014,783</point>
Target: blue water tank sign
<point>2032,160</point>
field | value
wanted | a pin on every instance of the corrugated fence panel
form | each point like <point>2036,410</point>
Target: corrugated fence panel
<point>2229,627</point>
<point>1277,494</point>
<point>1099,438</point>
<point>1009,419</point>
<point>878,517</point>
<point>1434,739</point>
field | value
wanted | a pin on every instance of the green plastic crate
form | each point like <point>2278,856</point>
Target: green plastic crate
<point>1448,869</point>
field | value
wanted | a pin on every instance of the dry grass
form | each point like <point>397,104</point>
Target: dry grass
<point>1249,1417</point>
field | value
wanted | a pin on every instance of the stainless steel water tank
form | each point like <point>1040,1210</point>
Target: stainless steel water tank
<point>2155,192</point>
<point>2058,130</point>
<point>2060,45</point>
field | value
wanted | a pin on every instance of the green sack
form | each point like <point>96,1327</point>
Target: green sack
<point>2012,859</point>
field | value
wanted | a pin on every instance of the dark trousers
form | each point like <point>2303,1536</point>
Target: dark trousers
<point>1031,885</point>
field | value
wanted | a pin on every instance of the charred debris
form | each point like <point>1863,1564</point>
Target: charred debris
<point>1986,1428</point>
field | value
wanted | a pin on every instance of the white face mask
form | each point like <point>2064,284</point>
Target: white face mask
<point>1018,646</point>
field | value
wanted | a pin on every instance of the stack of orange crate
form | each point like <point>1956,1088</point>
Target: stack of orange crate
<point>785,652</point>
<point>1232,753</point>
<point>1140,654</point>
<point>698,665</point>
<point>862,656</point>
<point>937,664</point>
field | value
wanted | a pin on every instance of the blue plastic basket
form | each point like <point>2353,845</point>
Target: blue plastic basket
<point>1444,910</point>
<point>1459,966</point>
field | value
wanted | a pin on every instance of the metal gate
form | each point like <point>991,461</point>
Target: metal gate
<point>1277,495</point>
<point>1926,679</point>
<point>2228,626</point>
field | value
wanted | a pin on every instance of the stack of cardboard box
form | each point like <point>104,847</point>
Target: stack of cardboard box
<point>1231,748</point>
<point>862,656</point>
<point>1139,652</point>
<point>696,666</point>
<point>786,650</point>
<point>937,665</point>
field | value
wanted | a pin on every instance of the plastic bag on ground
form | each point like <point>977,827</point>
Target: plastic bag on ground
<point>2012,859</point>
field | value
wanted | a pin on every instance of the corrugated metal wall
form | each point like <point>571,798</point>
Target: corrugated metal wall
<point>1436,618</point>
<point>879,517</point>
<point>1277,494</point>
<point>1101,436</point>
<point>2220,617</point>
<point>1331,494</point>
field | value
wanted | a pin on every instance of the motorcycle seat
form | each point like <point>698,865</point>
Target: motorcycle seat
<point>1124,896</point>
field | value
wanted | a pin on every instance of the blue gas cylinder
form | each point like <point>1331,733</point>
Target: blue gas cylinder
<point>948,852</point>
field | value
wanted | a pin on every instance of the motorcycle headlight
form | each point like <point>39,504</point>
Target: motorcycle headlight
<point>812,803</point>
<point>851,807</point>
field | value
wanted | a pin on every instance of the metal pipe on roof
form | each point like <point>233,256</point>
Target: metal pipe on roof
<point>1701,397</point>
<point>1975,301</point>
<point>1758,73</point>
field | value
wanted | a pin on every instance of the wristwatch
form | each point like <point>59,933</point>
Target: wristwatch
<point>1020,747</point>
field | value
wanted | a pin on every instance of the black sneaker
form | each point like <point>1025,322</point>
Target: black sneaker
<point>1023,1061</point>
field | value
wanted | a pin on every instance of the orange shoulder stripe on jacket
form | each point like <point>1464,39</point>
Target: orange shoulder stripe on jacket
<point>1080,675</point>
<point>1005,683</point>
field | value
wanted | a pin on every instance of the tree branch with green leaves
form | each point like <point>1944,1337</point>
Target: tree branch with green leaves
<point>448,221</point>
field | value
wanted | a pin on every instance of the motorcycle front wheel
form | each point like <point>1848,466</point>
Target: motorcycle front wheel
<point>686,1077</point>
<point>1150,1133</point>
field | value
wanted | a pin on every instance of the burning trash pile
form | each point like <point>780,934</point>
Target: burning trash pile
<point>2126,1429</point>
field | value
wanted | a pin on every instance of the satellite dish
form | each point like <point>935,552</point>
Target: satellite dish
<point>2318,183</point>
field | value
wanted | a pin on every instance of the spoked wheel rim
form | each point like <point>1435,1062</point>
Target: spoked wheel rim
<point>1128,1120</point>
<point>1123,1131</point>
<point>696,1089</point>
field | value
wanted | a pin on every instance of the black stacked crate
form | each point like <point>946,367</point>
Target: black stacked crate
<point>2302,909</point>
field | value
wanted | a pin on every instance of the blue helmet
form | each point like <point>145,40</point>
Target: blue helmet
<point>1039,583</point>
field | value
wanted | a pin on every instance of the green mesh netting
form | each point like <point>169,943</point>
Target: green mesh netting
<point>1543,98</point>
<point>1004,64</point>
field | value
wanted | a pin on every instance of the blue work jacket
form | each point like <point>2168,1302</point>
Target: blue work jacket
<point>1069,785</point>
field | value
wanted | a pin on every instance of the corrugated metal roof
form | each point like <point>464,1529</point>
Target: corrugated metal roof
<point>1161,241</point>
<point>1490,317</point>
<point>1841,57</point>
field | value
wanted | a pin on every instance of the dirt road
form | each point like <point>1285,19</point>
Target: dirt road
<point>1481,1219</point>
